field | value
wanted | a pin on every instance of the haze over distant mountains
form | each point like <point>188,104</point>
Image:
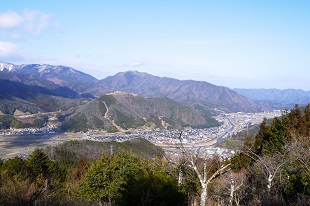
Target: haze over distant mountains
<point>287,98</point>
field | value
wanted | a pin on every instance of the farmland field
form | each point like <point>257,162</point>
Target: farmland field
<point>13,145</point>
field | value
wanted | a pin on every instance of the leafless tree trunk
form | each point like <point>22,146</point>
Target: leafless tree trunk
<point>237,200</point>
<point>233,188</point>
<point>204,174</point>
<point>180,179</point>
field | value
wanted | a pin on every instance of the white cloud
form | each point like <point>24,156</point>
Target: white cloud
<point>15,26</point>
<point>10,20</point>
<point>136,63</point>
<point>29,21</point>
<point>36,22</point>
<point>7,49</point>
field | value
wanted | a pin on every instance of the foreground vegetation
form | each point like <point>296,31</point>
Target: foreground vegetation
<point>271,168</point>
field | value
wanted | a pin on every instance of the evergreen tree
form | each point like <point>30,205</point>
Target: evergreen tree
<point>107,177</point>
<point>14,166</point>
<point>261,136</point>
<point>38,162</point>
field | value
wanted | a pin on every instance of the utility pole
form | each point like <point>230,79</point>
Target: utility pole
<point>52,153</point>
<point>111,149</point>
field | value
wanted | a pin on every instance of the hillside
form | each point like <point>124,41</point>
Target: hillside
<point>33,99</point>
<point>202,95</point>
<point>123,111</point>
<point>71,151</point>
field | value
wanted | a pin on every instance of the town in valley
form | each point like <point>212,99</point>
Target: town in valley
<point>23,141</point>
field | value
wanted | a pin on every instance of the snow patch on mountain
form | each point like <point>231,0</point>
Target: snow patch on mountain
<point>6,66</point>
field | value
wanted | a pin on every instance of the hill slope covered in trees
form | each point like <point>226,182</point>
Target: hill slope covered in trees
<point>124,110</point>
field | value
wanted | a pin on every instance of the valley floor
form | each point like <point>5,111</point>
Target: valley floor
<point>23,142</point>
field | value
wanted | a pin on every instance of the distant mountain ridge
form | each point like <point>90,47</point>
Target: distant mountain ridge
<point>48,76</point>
<point>196,94</point>
<point>287,97</point>
<point>188,92</point>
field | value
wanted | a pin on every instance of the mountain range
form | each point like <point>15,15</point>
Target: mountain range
<point>198,94</point>
<point>35,87</point>
<point>191,93</point>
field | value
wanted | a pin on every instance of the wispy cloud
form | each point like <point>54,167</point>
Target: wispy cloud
<point>16,26</point>
<point>14,36</point>
<point>36,22</point>
<point>10,51</point>
<point>134,64</point>
<point>30,21</point>
<point>7,49</point>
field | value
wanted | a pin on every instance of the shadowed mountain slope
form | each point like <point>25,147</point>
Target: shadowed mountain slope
<point>28,98</point>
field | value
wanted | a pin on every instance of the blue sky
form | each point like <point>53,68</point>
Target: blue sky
<point>238,44</point>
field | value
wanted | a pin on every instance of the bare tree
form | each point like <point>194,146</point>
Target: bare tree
<point>270,166</point>
<point>300,150</point>
<point>231,188</point>
<point>206,168</point>
<point>236,182</point>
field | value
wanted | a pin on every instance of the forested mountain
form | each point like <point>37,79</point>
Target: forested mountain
<point>192,93</point>
<point>124,110</point>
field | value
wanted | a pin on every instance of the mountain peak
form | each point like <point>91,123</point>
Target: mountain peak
<point>133,72</point>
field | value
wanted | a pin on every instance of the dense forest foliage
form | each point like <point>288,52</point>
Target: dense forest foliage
<point>74,173</point>
<point>272,168</point>
<point>277,161</point>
